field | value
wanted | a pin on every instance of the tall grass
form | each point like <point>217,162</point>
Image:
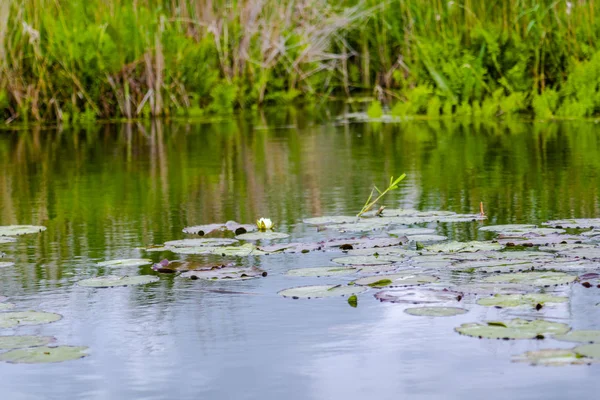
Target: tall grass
<point>86,59</point>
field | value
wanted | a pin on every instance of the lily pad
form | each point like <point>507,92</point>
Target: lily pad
<point>15,230</point>
<point>516,300</point>
<point>418,296</point>
<point>290,248</point>
<point>582,336</point>
<point>581,223</point>
<point>200,242</point>
<point>311,292</point>
<point>426,238</point>
<point>366,260</point>
<point>590,253</point>
<point>533,278</point>
<point>18,318</point>
<point>493,288</point>
<point>412,231</point>
<point>363,226</point>
<point>38,355</point>
<point>507,228</point>
<point>538,240</point>
<point>435,311</point>
<point>19,342</point>
<point>513,329</point>
<point>457,247</point>
<point>6,306</point>
<point>235,251</point>
<point>396,280</point>
<point>588,350</point>
<point>331,220</point>
<point>268,235</point>
<point>128,262</point>
<point>202,230</point>
<point>553,357</point>
<point>461,218</point>
<point>321,271</point>
<point>225,273</point>
<point>362,243</point>
<point>6,264</point>
<point>113,280</point>
<point>487,265</point>
<point>7,239</point>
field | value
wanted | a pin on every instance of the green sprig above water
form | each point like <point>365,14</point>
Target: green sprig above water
<point>370,203</point>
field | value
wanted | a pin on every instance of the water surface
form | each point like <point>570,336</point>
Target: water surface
<point>106,191</point>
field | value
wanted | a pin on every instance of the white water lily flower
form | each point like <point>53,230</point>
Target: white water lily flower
<point>264,224</point>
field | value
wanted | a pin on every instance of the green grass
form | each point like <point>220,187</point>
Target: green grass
<point>80,60</point>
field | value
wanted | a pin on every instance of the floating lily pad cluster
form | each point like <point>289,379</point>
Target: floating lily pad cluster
<point>29,348</point>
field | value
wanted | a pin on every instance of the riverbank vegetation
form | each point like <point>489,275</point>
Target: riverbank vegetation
<point>114,59</point>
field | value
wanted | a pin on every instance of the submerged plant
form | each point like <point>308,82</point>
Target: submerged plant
<point>369,204</point>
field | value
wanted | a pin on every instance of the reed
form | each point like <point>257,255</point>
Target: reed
<point>80,60</point>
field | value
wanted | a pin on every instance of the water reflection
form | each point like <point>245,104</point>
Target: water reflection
<point>107,190</point>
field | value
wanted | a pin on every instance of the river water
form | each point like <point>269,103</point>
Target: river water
<point>105,191</point>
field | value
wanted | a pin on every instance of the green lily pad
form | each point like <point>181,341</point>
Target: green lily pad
<point>533,278</point>
<point>366,260</point>
<point>376,269</point>
<point>244,250</point>
<point>369,226</point>
<point>268,235</point>
<point>113,280</point>
<point>592,233</point>
<point>588,350</point>
<point>553,357</point>
<point>202,229</point>
<point>412,231</point>
<point>590,253</point>
<point>129,262</point>
<point>435,311</point>
<point>581,223</point>
<point>418,296</point>
<point>15,230</point>
<point>201,242</point>
<point>507,228</point>
<point>7,239</point>
<point>385,251</point>
<point>396,280</point>
<point>493,288</point>
<point>18,318</point>
<point>19,342</point>
<point>6,306</point>
<point>513,329</point>
<point>461,218</point>
<point>223,272</point>
<point>321,271</point>
<point>582,336</point>
<point>516,300</point>
<point>490,265</point>
<point>6,264</point>
<point>38,355</point>
<point>426,238</point>
<point>332,220</point>
<point>311,292</point>
<point>458,247</point>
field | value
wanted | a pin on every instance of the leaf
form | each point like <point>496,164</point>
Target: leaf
<point>38,355</point>
<point>113,281</point>
<point>15,230</point>
<point>353,301</point>
<point>513,329</point>
<point>310,292</point>
<point>18,318</point>
<point>435,311</point>
<point>18,342</point>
